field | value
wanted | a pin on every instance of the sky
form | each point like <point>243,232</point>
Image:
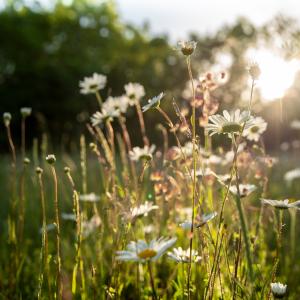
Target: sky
<point>179,17</point>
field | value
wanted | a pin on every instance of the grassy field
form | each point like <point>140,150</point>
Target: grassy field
<point>79,225</point>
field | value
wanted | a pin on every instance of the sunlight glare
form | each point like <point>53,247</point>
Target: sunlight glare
<point>277,74</point>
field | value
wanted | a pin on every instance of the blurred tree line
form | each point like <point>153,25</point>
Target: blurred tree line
<point>45,52</point>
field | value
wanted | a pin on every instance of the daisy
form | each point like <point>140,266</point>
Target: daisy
<point>142,210</point>
<point>69,217</point>
<point>245,189</point>
<point>204,219</point>
<point>281,204</point>
<point>254,132</point>
<point>187,47</point>
<point>278,289</point>
<point>91,85</point>
<point>92,197</point>
<point>138,153</point>
<point>292,175</point>
<point>229,123</point>
<point>183,256</point>
<point>141,251</point>
<point>134,91</point>
<point>154,102</point>
<point>107,113</point>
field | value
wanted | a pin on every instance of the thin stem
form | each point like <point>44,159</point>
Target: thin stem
<point>58,255</point>
<point>142,123</point>
<point>23,138</point>
<point>188,60</point>
<point>99,99</point>
<point>152,281</point>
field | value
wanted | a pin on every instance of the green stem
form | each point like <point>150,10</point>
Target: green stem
<point>152,281</point>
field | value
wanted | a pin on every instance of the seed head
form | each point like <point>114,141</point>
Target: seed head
<point>25,111</point>
<point>38,170</point>
<point>187,48</point>
<point>26,161</point>
<point>6,118</point>
<point>67,170</point>
<point>51,159</point>
<point>254,71</point>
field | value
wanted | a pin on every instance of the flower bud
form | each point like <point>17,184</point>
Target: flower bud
<point>254,71</point>
<point>38,170</point>
<point>187,48</point>
<point>25,111</point>
<point>51,159</point>
<point>6,118</point>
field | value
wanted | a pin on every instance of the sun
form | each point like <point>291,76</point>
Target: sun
<point>277,74</point>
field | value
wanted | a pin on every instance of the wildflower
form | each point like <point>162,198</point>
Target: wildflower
<point>69,217</point>
<point>201,221</point>
<point>92,197</point>
<point>278,289</point>
<point>26,161</point>
<point>281,204</point>
<point>39,170</point>
<point>51,159</point>
<point>138,153</point>
<point>180,255</point>
<point>142,210</point>
<point>154,102</point>
<point>245,189</point>
<point>141,251</point>
<point>254,70</point>
<point>116,104</point>
<point>6,118</point>
<point>206,218</point>
<point>292,175</point>
<point>89,226</point>
<point>26,111</point>
<point>187,47</point>
<point>295,124</point>
<point>91,85</point>
<point>134,91</point>
<point>229,123</point>
<point>254,132</point>
<point>107,113</point>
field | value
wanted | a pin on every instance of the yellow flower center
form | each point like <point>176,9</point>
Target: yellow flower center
<point>147,253</point>
<point>254,129</point>
<point>231,127</point>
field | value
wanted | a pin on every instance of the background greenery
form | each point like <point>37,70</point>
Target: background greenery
<point>44,54</point>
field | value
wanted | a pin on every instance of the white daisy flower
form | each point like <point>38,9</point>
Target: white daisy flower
<point>281,204</point>
<point>142,210</point>
<point>134,91</point>
<point>26,111</point>
<point>278,289</point>
<point>68,217</point>
<point>153,102</point>
<point>295,124</point>
<point>254,132</point>
<point>141,251</point>
<point>90,85</point>
<point>187,47</point>
<point>245,189</point>
<point>89,226</point>
<point>205,218</point>
<point>107,113</point>
<point>92,197</point>
<point>138,153</point>
<point>116,104</point>
<point>292,175</point>
<point>183,256</point>
<point>186,225</point>
<point>229,123</point>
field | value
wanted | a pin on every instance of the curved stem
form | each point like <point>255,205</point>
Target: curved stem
<point>152,281</point>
